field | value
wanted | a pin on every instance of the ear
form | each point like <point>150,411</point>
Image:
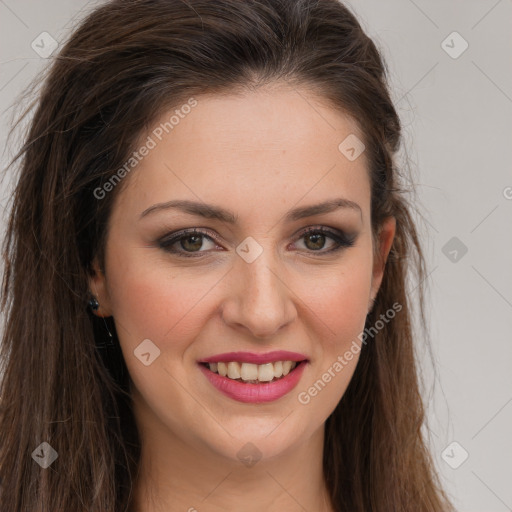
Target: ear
<point>99,289</point>
<point>385,240</point>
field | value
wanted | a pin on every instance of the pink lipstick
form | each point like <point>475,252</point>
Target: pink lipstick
<point>252,391</point>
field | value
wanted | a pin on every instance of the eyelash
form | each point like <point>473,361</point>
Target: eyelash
<point>342,240</point>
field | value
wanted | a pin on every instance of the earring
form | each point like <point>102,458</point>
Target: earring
<point>94,304</point>
<point>107,346</point>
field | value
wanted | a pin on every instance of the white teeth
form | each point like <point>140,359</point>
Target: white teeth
<point>249,372</point>
<point>287,366</point>
<point>278,369</point>
<point>233,370</point>
<point>265,372</point>
<point>221,368</point>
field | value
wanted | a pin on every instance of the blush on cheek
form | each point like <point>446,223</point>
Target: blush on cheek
<point>340,305</point>
<point>139,314</point>
<point>166,309</point>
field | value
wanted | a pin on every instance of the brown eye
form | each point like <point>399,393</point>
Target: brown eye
<point>186,243</point>
<point>317,241</point>
<point>316,238</point>
<point>191,242</point>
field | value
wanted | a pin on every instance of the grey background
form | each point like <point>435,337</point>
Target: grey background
<point>457,116</point>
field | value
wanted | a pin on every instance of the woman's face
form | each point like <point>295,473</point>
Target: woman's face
<point>251,281</point>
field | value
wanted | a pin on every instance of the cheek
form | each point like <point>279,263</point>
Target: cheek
<point>140,307</point>
<point>155,301</point>
<point>339,299</point>
<point>165,309</point>
<point>339,305</point>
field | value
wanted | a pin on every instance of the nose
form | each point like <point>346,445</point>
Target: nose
<point>258,301</point>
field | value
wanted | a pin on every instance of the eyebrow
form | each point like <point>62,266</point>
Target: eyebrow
<point>217,212</point>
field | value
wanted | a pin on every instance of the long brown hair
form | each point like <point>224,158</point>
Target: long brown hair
<point>126,63</point>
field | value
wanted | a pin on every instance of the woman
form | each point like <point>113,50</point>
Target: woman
<point>205,271</point>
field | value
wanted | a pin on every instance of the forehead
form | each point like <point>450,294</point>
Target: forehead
<point>257,149</point>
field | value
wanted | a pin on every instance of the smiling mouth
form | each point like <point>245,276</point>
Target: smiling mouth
<point>250,373</point>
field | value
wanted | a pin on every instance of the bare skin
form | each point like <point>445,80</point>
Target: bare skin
<point>259,155</point>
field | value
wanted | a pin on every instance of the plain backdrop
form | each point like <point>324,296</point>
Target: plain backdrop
<point>450,67</point>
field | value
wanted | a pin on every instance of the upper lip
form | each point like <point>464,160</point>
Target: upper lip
<point>251,357</point>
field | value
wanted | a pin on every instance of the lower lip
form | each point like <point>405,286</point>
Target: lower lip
<point>255,393</point>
